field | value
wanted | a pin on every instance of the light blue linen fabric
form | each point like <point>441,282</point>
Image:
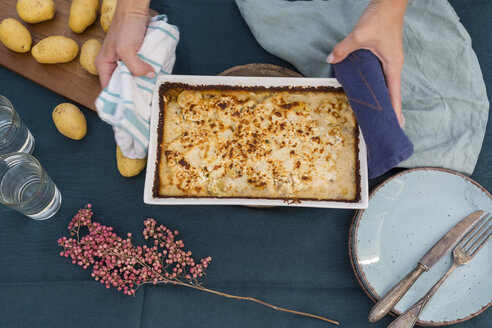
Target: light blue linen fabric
<point>443,94</point>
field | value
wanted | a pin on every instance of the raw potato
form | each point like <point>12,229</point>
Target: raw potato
<point>88,54</point>
<point>35,11</point>
<point>83,13</point>
<point>107,11</point>
<point>129,167</point>
<point>70,121</point>
<point>15,36</point>
<point>55,49</point>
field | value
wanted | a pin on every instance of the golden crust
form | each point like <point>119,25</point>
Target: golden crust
<point>280,143</point>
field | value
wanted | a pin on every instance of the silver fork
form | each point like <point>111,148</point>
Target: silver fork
<point>466,249</point>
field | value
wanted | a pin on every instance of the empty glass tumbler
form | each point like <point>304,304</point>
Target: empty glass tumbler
<point>14,134</point>
<point>26,188</point>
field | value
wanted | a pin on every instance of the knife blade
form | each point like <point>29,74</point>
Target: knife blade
<point>443,246</point>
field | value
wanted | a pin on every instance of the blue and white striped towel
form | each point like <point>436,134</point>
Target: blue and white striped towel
<point>126,102</point>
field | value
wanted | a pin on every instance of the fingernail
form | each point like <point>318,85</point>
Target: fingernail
<point>330,58</point>
<point>402,124</point>
<point>150,75</point>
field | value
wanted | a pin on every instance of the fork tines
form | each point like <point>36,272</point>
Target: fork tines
<point>478,237</point>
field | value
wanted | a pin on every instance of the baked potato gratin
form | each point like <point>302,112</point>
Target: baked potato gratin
<point>256,142</point>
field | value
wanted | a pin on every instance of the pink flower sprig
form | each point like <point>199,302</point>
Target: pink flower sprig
<point>116,262</point>
<point>173,250</point>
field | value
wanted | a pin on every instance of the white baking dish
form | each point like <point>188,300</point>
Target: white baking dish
<point>243,81</point>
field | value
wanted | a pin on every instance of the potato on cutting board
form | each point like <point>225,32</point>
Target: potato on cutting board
<point>70,80</point>
<point>70,121</point>
<point>14,35</point>
<point>83,13</point>
<point>55,49</point>
<point>88,54</point>
<point>108,8</point>
<point>35,11</point>
<point>129,167</point>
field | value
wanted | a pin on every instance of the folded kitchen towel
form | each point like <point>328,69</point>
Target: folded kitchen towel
<point>126,102</point>
<point>444,99</point>
<point>362,79</point>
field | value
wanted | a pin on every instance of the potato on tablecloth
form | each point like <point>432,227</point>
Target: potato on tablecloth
<point>129,167</point>
<point>70,121</point>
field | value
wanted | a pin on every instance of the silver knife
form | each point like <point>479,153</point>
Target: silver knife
<point>444,245</point>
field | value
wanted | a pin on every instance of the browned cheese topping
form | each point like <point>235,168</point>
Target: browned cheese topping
<point>294,144</point>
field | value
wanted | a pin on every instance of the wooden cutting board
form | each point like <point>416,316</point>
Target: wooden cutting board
<point>258,69</point>
<point>69,79</point>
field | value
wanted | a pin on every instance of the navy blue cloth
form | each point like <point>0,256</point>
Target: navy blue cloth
<point>362,79</point>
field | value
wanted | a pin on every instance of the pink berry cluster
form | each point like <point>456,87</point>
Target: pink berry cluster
<point>117,262</point>
<point>180,260</point>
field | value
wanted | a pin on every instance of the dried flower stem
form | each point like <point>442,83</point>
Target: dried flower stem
<point>245,298</point>
<point>252,299</point>
<point>117,262</point>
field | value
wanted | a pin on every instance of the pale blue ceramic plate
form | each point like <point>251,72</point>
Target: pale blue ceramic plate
<point>407,214</point>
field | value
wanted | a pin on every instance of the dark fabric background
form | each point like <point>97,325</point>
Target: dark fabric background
<point>292,257</point>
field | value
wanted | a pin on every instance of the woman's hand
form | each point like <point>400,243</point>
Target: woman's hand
<point>379,30</point>
<point>124,40</point>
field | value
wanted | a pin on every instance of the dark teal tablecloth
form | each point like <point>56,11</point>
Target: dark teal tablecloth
<point>292,257</point>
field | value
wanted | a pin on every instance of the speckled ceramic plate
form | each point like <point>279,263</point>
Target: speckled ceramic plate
<point>407,214</point>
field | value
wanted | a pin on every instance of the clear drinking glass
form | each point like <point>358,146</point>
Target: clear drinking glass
<point>26,188</point>
<point>14,134</point>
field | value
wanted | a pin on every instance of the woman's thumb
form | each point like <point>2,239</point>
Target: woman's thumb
<point>137,66</point>
<point>342,50</point>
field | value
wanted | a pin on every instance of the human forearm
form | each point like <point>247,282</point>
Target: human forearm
<point>399,6</point>
<point>380,30</point>
<point>133,6</point>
